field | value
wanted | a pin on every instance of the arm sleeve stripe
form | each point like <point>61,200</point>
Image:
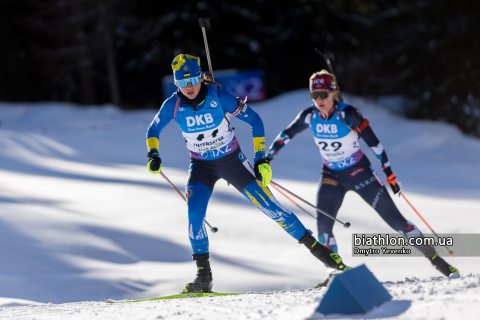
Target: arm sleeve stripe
<point>176,107</point>
<point>308,119</point>
<point>241,107</point>
<point>152,143</point>
<point>259,144</point>
<point>362,126</point>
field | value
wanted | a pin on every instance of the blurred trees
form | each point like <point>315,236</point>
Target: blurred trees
<point>88,51</point>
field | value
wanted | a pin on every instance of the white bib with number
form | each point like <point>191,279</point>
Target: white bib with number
<point>207,131</point>
<point>338,144</point>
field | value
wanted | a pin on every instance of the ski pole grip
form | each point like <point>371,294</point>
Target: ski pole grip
<point>204,23</point>
<point>326,56</point>
<point>329,56</point>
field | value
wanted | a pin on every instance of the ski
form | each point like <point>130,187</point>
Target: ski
<point>176,296</point>
<point>332,271</point>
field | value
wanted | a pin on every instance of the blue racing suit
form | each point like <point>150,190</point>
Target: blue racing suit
<point>215,153</point>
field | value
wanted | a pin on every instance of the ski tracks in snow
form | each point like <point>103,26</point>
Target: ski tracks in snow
<point>413,298</point>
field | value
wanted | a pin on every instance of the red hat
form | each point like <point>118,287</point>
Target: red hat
<point>323,81</point>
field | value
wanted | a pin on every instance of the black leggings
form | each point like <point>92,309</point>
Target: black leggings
<point>360,178</point>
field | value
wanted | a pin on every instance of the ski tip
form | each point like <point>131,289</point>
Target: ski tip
<point>182,296</point>
<point>454,276</point>
<point>109,301</point>
<point>333,271</point>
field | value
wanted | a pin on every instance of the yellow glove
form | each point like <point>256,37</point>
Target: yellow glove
<point>263,171</point>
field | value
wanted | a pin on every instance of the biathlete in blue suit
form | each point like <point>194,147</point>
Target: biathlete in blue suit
<point>336,129</point>
<point>202,111</point>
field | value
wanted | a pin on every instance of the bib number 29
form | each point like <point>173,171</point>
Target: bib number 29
<point>335,145</point>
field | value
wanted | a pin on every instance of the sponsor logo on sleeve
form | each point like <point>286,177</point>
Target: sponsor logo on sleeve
<point>213,104</point>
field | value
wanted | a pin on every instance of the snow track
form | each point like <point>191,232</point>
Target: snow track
<point>81,219</point>
<point>413,298</point>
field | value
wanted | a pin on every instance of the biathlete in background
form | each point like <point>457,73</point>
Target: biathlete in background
<point>202,111</point>
<point>336,129</point>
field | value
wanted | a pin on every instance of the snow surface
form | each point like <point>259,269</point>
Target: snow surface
<point>81,219</point>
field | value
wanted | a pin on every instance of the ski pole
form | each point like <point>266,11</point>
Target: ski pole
<point>330,56</point>
<point>327,57</point>
<point>205,23</point>
<point>345,224</point>
<point>403,195</point>
<point>291,200</point>
<point>214,229</point>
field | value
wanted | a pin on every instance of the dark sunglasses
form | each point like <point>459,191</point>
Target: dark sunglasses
<point>321,94</point>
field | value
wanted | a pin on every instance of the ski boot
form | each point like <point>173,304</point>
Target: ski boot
<point>203,279</point>
<point>322,253</point>
<point>442,266</point>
